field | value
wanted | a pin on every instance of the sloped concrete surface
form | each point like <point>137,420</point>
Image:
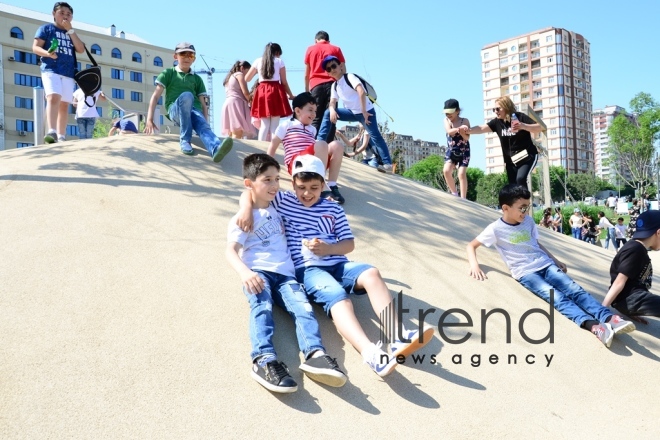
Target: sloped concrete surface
<point>119,317</point>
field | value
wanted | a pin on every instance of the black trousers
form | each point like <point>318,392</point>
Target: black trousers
<point>322,95</point>
<point>639,302</point>
<point>518,175</point>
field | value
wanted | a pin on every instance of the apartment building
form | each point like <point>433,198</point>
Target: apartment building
<point>128,63</point>
<point>602,119</point>
<point>550,71</point>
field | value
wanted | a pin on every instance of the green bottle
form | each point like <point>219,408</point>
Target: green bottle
<point>53,45</point>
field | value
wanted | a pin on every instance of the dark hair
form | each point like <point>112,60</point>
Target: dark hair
<point>60,5</point>
<point>620,219</point>
<point>300,101</point>
<point>236,68</point>
<point>558,209</point>
<point>307,176</point>
<point>512,193</point>
<point>257,164</point>
<point>601,214</point>
<point>322,35</point>
<point>268,60</point>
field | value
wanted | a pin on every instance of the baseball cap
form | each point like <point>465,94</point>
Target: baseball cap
<point>451,105</point>
<point>576,210</point>
<point>307,164</point>
<point>647,224</point>
<point>184,47</point>
<point>327,59</point>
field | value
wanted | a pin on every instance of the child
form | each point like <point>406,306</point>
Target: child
<point>58,68</point>
<point>319,237</point>
<point>299,137</point>
<point>604,223</point>
<point>123,126</point>
<point>184,106</point>
<point>86,115</point>
<point>620,232</point>
<point>558,220</point>
<point>516,239</point>
<point>370,157</point>
<point>357,108</point>
<point>589,229</point>
<point>458,148</point>
<point>270,101</point>
<point>236,109</point>
<point>263,261</point>
<point>631,271</point>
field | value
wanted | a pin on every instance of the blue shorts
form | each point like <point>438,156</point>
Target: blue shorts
<point>328,285</point>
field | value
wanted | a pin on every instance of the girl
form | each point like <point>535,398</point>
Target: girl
<point>518,150</point>
<point>270,99</point>
<point>589,230</point>
<point>236,109</point>
<point>558,220</point>
<point>58,63</point>
<point>458,147</point>
<point>576,222</point>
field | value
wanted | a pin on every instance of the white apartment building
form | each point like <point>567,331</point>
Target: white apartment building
<point>550,71</point>
<point>602,119</point>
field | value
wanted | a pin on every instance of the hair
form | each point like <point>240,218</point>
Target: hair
<point>256,164</point>
<point>512,193</point>
<point>601,214</point>
<point>322,35</point>
<point>558,209</point>
<point>238,65</point>
<point>547,211</point>
<point>620,219</point>
<point>507,105</point>
<point>307,176</point>
<point>300,101</point>
<point>271,51</point>
<point>634,202</point>
<point>60,5</point>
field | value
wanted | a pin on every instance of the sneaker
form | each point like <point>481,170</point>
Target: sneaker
<point>324,369</point>
<point>186,148</point>
<point>604,333</point>
<point>399,348</point>
<point>274,376</point>
<point>221,150</point>
<point>50,138</point>
<point>326,194</point>
<point>61,139</point>
<point>379,361</point>
<point>336,195</point>
<point>620,325</point>
<point>387,169</point>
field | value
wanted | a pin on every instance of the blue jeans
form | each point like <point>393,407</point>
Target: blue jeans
<point>344,114</point>
<point>86,127</point>
<point>611,236</point>
<point>328,285</point>
<point>183,114</point>
<point>577,233</point>
<point>571,300</point>
<point>287,293</point>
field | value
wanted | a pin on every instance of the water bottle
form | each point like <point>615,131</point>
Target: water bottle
<point>514,122</point>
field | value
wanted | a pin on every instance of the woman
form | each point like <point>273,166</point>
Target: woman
<point>458,147</point>
<point>236,109</point>
<point>518,150</point>
<point>576,222</point>
<point>634,212</point>
<point>558,220</point>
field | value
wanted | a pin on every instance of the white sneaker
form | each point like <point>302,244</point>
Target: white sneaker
<point>379,361</point>
<point>387,169</point>
<point>399,348</point>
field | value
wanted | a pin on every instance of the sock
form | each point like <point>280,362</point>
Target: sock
<point>589,323</point>
<point>332,183</point>
<point>609,318</point>
<point>264,359</point>
<point>52,131</point>
<point>317,353</point>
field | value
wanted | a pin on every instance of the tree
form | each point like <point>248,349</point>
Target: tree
<point>582,185</point>
<point>632,142</point>
<point>557,175</point>
<point>474,175</point>
<point>488,188</point>
<point>429,172</point>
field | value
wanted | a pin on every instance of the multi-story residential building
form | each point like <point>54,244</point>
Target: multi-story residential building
<point>128,63</point>
<point>550,71</point>
<point>602,119</point>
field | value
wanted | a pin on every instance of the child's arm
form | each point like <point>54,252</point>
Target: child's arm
<point>448,128</point>
<point>559,264</point>
<point>363,103</point>
<point>321,248</point>
<point>251,281</point>
<point>150,126</point>
<point>272,148</point>
<point>244,88</point>
<point>285,83</point>
<point>475,269</point>
<point>615,289</point>
<point>251,72</point>
<point>365,143</point>
<point>244,217</point>
<point>205,108</point>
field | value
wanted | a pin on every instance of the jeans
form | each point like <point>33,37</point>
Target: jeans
<point>611,236</point>
<point>183,114</point>
<point>577,233</point>
<point>321,94</point>
<point>86,127</point>
<point>344,114</point>
<point>571,300</point>
<point>287,293</point>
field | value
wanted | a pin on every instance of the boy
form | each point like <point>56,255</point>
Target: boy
<point>620,233</point>
<point>357,108</point>
<point>516,239</point>
<point>184,106</point>
<point>299,137</point>
<point>631,271</point>
<point>123,126</point>
<point>263,261</point>
<point>319,237</point>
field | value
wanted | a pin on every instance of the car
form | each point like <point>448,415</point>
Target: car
<point>589,200</point>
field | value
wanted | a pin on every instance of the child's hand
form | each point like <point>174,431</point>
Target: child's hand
<point>477,273</point>
<point>149,127</point>
<point>562,266</point>
<point>252,282</point>
<point>463,129</point>
<point>366,115</point>
<point>333,115</point>
<point>244,219</point>
<point>317,247</point>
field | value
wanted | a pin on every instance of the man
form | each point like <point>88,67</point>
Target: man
<point>317,80</point>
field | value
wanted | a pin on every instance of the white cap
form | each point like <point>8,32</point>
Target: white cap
<point>307,164</point>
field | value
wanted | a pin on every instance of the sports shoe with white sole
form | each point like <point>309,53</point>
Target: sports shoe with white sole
<point>324,369</point>
<point>416,341</point>
<point>621,326</point>
<point>604,333</point>
<point>379,361</point>
<point>274,376</point>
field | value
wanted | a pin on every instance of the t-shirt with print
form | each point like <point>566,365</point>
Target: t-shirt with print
<point>295,137</point>
<point>517,245</point>
<point>513,143</point>
<point>175,81</point>
<point>265,247</point>
<point>82,109</point>
<point>349,97</point>
<point>633,261</point>
<point>325,220</point>
<point>64,63</point>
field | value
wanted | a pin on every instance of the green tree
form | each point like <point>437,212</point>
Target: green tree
<point>582,185</point>
<point>428,171</point>
<point>101,128</point>
<point>488,188</point>
<point>557,175</point>
<point>474,175</point>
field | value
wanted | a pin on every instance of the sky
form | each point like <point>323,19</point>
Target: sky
<point>416,54</point>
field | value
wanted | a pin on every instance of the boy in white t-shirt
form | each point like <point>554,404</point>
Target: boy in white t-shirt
<point>262,259</point>
<point>86,115</point>
<point>620,233</point>
<point>515,237</point>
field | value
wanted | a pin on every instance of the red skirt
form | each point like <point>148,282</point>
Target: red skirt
<point>270,100</point>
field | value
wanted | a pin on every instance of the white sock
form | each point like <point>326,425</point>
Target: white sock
<point>332,183</point>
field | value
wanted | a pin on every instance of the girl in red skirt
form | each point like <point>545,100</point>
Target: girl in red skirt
<point>270,99</point>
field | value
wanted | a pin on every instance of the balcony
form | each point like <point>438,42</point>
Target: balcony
<point>522,56</point>
<point>536,64</point>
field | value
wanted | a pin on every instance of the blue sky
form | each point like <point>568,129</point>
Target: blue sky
<point>415,53</point>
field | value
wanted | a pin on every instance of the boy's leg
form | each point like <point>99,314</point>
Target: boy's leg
<point>640,303</point>
<point>374,132</point>
<point>218,150</point>
<point>82,128</point>
<point>180,114</point>
<point>342,115</point>
<point>335,156</point>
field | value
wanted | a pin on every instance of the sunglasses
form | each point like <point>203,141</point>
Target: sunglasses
<point>497,109</point>
<point>331,67</point>
<point>524,209</point>
<point>187,55</point>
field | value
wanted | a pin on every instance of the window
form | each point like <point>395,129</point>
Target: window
<point>486,56</point>
<point>155,78</point>
<point>551,80</point>
<point>486,74</point>
<point>158,62</point>
<point>549,59</point>
<point>486,83</point>
<point>548,39</point>
<point>160,100</point>
<point>116,53</point>
<point>23,144</point>
<point>162,120</point>
<point>22,125</point>
<point>553,131</point>
<point>27,80</point>
<point>72,130</point>
<point>118,93</point>
<point>117,74</point>
<point>27,103</point>
<point>16,33</point>
<point>24,57</point>
<point>100,111</point>
<point>136,58</point>
<point>96,49</point>
<point>136,76</point>
<point>136,96</point>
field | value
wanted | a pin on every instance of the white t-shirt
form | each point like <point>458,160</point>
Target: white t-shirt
<point>518,246</point>
<point>265,247</point>
<point>347,94</point>
<point>82,109</point>
<point>276,75</point>
<point>620,231</point>
<point>605,223</point>
<point>611,202</point>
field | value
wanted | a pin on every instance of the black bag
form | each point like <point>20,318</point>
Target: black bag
<point>368,88</point>
<point>89,80</point>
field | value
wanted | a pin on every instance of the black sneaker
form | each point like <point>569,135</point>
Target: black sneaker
<point>324,369</point>
<point>336,195</point>
<point>50,138</point>
<point>275,377</point>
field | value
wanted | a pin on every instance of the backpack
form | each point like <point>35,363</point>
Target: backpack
<point>368,88</point>
<point>89,80</point>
